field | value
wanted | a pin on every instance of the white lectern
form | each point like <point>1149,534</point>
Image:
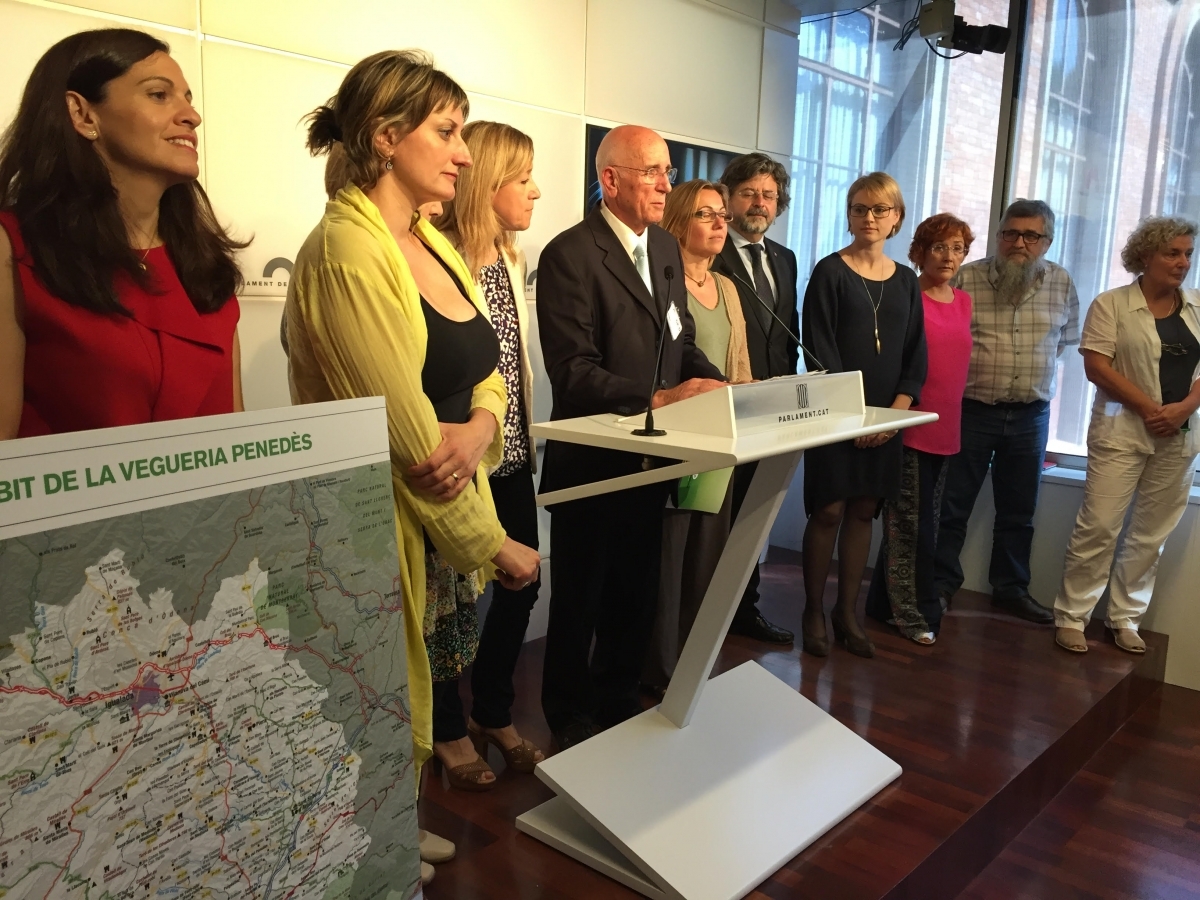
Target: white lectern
<point>709,793</point>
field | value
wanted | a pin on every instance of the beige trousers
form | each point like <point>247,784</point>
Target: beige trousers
<point>1161,482</point>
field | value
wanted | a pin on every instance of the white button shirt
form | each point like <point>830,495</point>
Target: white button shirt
<point>740,244</point>
<point>628,238</point>
<point>1119,325</point>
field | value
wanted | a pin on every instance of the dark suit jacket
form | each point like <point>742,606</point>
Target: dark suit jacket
<point>772,352</point>
<point>599,329</point>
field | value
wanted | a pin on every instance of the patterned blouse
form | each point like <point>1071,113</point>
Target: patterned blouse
<point>497,288</point>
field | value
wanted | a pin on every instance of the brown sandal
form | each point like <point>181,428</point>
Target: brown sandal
<point>468,776</point>
<point>523,758</point>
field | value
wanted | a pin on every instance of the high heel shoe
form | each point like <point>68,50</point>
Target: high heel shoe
<point>468,776</point>
<point>859,646</point>
<point>523,758</point>
<point>813,645</point>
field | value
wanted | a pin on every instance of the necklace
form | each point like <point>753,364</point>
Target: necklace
<point>702,282</point>
<point>875,304</point>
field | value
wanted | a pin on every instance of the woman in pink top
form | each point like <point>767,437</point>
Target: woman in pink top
<point>902,591</point>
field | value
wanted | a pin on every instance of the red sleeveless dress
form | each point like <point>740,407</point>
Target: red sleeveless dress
<point>88,370</point>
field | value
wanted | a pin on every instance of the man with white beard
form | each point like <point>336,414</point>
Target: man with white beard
<point>1024,314</point>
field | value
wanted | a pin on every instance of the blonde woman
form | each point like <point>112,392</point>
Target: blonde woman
<point>494,200</point>
<point>862,311</point>
<point>697,215</point>
<point>380,304</point>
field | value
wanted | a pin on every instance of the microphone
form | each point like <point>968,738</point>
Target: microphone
<point>782,324</point>
<point>648,430</point>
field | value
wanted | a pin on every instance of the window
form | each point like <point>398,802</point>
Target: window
<point>1181,181</point>
<point>862,106</point>
<point>1070,151</point>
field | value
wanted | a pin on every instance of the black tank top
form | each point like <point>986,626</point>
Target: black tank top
<point>458,355</point>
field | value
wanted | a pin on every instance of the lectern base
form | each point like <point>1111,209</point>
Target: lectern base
<point>707,812</point>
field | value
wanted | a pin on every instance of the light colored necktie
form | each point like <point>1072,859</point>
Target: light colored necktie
<point>643,266</point>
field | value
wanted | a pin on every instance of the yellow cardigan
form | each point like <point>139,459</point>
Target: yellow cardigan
<point>355,329</point>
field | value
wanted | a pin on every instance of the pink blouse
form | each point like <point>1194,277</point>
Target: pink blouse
<point>948,337</point>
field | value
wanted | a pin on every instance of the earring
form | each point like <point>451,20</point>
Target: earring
<point>93,135</point>
<point>388,165</point>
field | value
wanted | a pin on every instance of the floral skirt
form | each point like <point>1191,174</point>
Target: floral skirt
<point>902,586</point>
<point>451,626</point>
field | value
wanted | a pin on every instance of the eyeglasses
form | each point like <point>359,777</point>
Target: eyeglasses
<point>952,249</point>
<point>859,211</point>
<point>1010,235</point>
<point>1175,349</point>
<point>707,215</point>
<point>751,193</point>
<point>651,174</point>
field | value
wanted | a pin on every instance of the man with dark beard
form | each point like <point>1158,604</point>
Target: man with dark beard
<point>1025,313</point>
<point>764,272</point>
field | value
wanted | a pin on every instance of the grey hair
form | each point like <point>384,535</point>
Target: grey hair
<point>1151,235</point>
<point>1031,209</point>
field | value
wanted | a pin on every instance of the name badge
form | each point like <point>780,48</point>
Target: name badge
<point>673,321</point>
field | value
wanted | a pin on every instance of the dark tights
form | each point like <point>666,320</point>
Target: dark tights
<point>846,523</point>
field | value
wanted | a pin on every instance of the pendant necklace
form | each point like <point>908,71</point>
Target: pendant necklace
<point>875,304</point>
<point>702,282</point>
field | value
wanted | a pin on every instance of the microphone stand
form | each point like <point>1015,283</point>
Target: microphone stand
<point>648,430</point>
<point>767,306</point>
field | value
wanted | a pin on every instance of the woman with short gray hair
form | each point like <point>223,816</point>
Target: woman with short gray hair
<point>1141,348</point>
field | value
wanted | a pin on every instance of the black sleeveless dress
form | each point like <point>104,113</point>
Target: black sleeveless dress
<point>458,355</point>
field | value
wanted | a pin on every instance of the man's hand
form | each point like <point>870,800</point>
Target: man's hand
<point>689,388</point>
<point>445,474</point>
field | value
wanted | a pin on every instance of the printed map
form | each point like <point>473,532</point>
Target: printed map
<point>209,700</point>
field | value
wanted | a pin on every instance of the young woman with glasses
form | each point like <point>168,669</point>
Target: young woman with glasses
<point>1141,348</point>
<point>862,311</point>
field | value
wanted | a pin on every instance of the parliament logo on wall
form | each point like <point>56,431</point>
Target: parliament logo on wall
<point>272,282</point>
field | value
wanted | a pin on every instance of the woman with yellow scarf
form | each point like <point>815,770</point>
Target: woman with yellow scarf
<point>380,304</point>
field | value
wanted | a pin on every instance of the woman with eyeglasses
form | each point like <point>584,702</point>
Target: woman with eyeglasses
<point>696,214</point>
<point>902,590</point>
<point>1141,348</point>
<point>862,311</point>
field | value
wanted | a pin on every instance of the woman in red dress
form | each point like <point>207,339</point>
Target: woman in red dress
<point>117,284</point>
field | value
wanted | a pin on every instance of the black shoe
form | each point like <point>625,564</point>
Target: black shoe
<point>1025,607</point>
<point>575,733</point>
<point>654,691</point>
<point>760,629</point>
<point>812,645</point>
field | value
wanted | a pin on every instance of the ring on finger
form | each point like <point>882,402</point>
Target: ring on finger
<point>454,475</point>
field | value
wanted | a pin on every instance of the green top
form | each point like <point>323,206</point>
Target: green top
<point>712,328</point>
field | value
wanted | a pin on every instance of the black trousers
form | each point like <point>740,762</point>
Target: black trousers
<point>604,583</point>
<point>508,616</point>
<point>742,476</point>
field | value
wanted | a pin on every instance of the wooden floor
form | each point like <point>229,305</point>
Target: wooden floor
<point>989,724</point>
<point>1127,826</point>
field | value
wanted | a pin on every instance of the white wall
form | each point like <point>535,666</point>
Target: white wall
<point>548,67</point>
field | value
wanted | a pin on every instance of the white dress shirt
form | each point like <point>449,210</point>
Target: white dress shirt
<point>629,240</point>
<point>1119,325</point>
<point>741,244</point>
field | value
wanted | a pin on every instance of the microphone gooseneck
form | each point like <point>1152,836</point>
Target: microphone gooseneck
<point>648,430</point>
<point>782,324</point>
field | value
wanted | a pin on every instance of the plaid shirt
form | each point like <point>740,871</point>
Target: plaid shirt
<point>1015,348</point>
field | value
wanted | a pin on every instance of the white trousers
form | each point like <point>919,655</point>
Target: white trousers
<point>1161,481</point>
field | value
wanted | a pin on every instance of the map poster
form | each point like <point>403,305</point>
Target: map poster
<point>203,683</point>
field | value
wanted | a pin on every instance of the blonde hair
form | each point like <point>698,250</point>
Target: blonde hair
<point>393,89</point>
<point>681,203</point>
<point>1152,234</point>
<point>337,172</point>
<point>501,154</point>
<point>882,185</point>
